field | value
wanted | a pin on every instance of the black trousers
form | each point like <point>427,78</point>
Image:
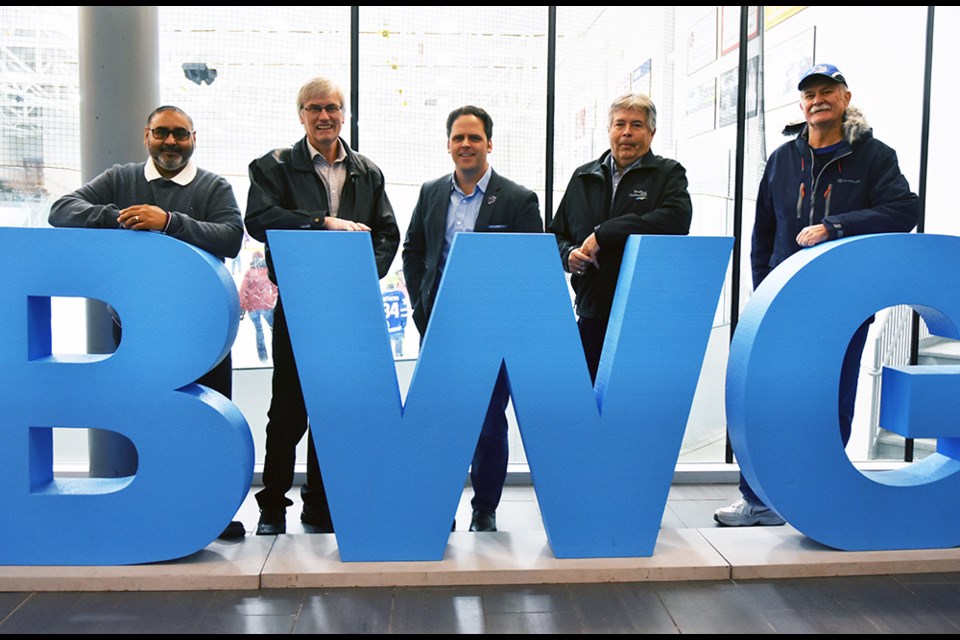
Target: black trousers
<point>286,424</point>
<point>592,334</point>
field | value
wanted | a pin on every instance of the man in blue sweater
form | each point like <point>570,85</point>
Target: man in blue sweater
<point>167,194</point>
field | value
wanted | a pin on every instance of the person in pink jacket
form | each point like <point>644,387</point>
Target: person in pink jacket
<point>258,296</point>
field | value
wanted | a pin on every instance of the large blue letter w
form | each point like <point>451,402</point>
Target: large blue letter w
<point>601,459</point>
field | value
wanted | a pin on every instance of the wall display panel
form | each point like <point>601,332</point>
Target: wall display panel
<point>641,80</point>
<point>773,16</point>
<point>729,84</point>
<point>701,107</point>
<point>783,64</point>
<point>702,41</point>
<point>730,27</point>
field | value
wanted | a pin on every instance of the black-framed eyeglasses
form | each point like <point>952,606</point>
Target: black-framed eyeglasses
<point>180,134</point>
<point>331,109</point>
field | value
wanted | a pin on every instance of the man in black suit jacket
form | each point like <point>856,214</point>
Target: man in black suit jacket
<point>474,198</point>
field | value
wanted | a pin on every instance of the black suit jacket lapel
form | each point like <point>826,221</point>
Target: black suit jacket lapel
<point>437,217</point>
<point>488,206</point>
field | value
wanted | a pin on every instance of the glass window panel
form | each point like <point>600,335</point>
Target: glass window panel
<point>419,63</point>
<point>237,73</point>
<point>672,55</point>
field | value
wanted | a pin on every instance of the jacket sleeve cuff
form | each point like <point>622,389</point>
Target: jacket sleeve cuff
<point>834,228</point>
<point>598,234</point>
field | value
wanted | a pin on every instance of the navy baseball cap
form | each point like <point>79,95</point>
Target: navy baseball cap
<point>825,70</point>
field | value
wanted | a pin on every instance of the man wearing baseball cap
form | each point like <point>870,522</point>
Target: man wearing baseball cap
<point>833,180</point>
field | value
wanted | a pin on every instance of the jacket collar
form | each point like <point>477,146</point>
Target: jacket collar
<point>599,168</point>
<point>855,128</point>
<point>302,160</point>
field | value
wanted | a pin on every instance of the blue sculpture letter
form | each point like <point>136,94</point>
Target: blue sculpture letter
<point>602,460</point>
<point>782,386</point>
<point>180,311</point>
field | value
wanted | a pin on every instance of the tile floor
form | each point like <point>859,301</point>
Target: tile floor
<point>922,601</point>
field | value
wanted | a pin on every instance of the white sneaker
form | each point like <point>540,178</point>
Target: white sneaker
<point>744,513</point>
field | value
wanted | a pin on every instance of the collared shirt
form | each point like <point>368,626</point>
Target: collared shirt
<point>185,177</point>
<point>617,175</point>
<point>463,210</point>
<point>182,179</point>
<point>334,175</point>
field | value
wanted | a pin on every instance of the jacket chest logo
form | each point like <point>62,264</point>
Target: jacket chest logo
<point>638,194</point>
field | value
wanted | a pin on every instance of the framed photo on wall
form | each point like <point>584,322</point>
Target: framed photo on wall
<point>728,93</point>
<point>701,107</point>
<point>640,79</point>
<point>730,27</point>
<point>702,42</point>
<point>783,66</point>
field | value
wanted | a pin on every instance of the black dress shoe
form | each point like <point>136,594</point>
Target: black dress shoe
<point>273,522</point>
<point>233,531</point>
<point>318,519</point>
<point>483,521</point>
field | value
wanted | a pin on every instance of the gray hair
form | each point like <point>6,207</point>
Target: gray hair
<point>635,102</point>
<point>316,88</point>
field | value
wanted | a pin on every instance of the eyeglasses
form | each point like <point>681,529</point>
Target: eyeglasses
<point>332,109</point>
<point>180,134</point>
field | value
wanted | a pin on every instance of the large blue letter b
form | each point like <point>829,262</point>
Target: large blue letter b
<point>180,312</point>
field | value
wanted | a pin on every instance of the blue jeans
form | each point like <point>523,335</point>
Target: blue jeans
<point>255,317</point>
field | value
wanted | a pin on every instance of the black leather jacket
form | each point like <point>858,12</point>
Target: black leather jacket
<point>286,193</point>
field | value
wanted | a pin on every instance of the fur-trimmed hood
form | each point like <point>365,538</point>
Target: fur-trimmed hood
<point>855,126</point>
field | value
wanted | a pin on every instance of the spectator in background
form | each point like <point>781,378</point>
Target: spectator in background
<point>258,297</point>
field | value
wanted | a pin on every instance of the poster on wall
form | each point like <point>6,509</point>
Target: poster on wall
<point>728,93</point>
<point>585,126</point>
<point>702,42</point>
<point>640,79</point>
<point>783,67</point>
<point>773,16</point>
<point>730,27</point>
<point>701,106</point>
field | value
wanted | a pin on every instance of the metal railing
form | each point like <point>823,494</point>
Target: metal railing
<point>891,349</point>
